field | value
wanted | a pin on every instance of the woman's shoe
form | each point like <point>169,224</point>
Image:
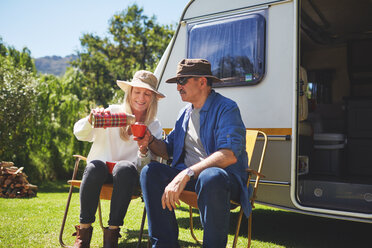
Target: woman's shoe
<point>83,237</point>
<point>111,237</point>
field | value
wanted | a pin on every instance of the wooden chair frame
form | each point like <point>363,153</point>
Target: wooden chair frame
<point>105,194</point>
<point>190,197</point>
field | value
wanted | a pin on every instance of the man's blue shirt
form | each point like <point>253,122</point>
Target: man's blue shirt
<point>221,127</point>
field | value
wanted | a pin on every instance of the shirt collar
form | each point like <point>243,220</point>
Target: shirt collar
<point>209,101</point>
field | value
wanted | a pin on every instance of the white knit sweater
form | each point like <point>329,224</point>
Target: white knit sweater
<point>108,146</point>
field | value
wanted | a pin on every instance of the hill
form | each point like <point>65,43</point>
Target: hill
<point>55,65</point>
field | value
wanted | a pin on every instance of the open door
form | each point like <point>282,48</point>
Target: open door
<point>334,167</point>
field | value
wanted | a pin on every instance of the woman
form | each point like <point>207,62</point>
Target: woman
<point>116,145</point>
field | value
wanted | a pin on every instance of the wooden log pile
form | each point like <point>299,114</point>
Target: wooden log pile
<point>13,182</point>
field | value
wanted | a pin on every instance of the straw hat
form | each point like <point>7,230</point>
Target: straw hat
<point>142,79</point>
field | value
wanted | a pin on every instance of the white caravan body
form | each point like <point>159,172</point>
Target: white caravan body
<point>287,44</point>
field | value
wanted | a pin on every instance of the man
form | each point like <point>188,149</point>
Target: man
<point>207,146</point>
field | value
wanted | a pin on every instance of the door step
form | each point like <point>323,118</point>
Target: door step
<point>343,196</point>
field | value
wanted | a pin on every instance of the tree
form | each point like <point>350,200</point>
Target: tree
<point>18,94</point>
<point>3,49</point>
<point>138,37</point>
<point>37,115</point>
<point>59,105</point>
<point>136,42</point>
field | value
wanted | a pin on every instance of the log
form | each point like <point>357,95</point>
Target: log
<point>6,164</point>
<point>7,182</point>
<point>19,170</point>
<point>32,187</point>
<point>11,170</point>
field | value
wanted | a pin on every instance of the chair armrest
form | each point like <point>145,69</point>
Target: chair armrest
<point>81,157</point>
<point>77,160</point>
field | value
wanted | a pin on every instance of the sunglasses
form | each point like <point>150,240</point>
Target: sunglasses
<point>182,81</point>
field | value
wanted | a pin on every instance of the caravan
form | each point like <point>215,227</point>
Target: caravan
<point>301,71</point>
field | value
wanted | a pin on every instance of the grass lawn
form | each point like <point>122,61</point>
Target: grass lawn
<point>35,222</point>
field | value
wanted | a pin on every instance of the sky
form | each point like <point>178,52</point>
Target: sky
<point>53,27</point>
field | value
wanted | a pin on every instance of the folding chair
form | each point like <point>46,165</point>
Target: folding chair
<point>106,193</point>
<point>190,197</point>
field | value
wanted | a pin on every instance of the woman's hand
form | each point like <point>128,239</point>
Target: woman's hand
<point>97,111</point>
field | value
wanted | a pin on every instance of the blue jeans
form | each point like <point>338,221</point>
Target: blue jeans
<point>214,187</point>
<point>125,183</point>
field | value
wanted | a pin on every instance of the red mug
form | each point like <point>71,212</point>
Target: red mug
<point>110,166</point>
<point>138,129</point>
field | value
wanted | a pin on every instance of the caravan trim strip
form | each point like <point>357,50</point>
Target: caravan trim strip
<point>272,183</point>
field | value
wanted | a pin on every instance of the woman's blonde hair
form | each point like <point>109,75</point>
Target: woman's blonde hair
<point>150,113</point>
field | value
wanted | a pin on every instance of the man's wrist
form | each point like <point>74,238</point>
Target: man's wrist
<point>190,173</point>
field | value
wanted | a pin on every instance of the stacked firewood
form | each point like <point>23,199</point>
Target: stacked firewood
<point>13,182</point>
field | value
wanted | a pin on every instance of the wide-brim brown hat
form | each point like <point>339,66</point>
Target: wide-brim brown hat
<point>193,68</point>
<point>142,79</point>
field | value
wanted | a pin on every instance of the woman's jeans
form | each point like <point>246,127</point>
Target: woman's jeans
<point>125,181</point>
<point>214,187</point>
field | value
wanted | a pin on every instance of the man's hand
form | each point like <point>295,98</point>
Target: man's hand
<point>221,158</point>
<point>144,141</point>
<point>173,190</point>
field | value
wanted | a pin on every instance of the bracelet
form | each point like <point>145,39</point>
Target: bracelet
<point>143,155</point>
<point>153,138</point>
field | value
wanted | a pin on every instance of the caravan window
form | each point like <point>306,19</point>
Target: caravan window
<point>234,46</point>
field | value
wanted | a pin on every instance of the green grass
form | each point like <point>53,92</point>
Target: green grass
<point>36,222</point>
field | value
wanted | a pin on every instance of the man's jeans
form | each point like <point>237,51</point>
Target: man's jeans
<point>214,187</point>
<point>125,181</point>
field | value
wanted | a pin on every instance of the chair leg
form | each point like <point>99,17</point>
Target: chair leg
<point>65,217</point>
<point>192,227</point>
<point>142,226</point>
<point>77,160</point>
<point>238,227</point>
<point>249,230</point>
<point>100,215</point>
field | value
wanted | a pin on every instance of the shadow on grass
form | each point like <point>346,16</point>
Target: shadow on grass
<point>133,237</point>
<point>290,229</point>
<point>298,230</point>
